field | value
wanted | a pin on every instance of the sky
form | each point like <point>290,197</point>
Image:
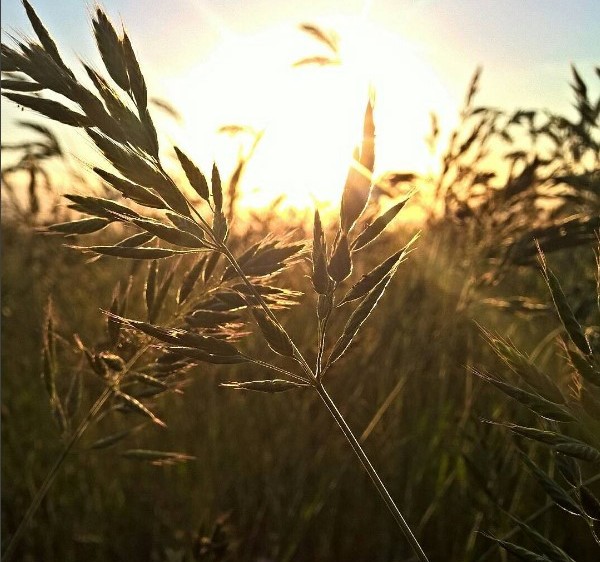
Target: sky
<point>221,62</point>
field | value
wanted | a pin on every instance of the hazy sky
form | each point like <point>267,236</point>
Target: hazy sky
<point>524,46</point>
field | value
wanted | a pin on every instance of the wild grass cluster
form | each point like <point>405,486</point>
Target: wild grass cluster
<point>208,386</point>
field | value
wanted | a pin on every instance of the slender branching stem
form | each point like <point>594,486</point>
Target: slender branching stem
<point>379,485</point>
<point>204,224</point>
<point>337,416</point>
<point>535,515</point>
<point>276,368</point>
<point>297,355</point>
<point>322,334</point>
<point>53,473</point>
<point>320,337</point>
<point>39,496</point>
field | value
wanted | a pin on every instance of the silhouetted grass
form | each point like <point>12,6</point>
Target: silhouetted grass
<point>270,477</point>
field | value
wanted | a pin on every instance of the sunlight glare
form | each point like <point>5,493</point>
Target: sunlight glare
<point>311,116</point>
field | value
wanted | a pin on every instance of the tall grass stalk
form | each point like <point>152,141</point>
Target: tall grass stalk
<point>315,381</point>
<point>124,132</point>
<point>377,482</point>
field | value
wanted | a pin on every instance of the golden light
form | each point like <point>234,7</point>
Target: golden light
<point>310,116</point>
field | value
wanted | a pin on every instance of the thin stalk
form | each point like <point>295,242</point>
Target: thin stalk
<point>318,502</point>
<point>322,334</point>
<point>320,338</point>
<point>276,369</point>
<point>297,355</point>
<point>379,485</point>
<point>535,515</point>
<point>51,476</point>
<point>337,416</point>
<point>53,473</point>
<point>222,247</point>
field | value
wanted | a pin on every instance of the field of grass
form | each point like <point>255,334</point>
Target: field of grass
<point>276,466</point>
<point>271,477</point>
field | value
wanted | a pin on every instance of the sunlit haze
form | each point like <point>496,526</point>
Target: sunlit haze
<point>310,115</point>
<point>222,64</point>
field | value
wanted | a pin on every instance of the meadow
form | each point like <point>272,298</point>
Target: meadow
<point>473,386</point>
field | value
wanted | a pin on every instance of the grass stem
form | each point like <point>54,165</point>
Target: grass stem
<point>53,473</point>
<point>377,482</point>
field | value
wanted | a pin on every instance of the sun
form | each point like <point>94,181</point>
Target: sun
<point>308,117</point>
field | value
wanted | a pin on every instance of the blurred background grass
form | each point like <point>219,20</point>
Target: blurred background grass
<point>275,466</point>
<point>273,479</point>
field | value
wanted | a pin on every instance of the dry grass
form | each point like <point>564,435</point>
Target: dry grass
<point>190,296</point>
<point>207,330</point>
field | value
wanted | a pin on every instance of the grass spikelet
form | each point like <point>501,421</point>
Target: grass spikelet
<point>20,85</point>
<point>203,318</point>
<point>105,208</point>
<point>204,357</point>
<point>358,317</point>
<point>157,458</point>
<point>193,174</point>
<point>358,183</point>
<point>372,231</point>
<point>537,404</point>
<point>520,552</point>
<point>137,406</point>
<point>220,226</point>
<point>525,368</point>
<point>131,190</point>
<point>131,253</point>
<point>49,108</point>
<point>110,440</point>
<point>355,195</point>
<point>328,38</point>
<point>135,240</point>
<point>561,443</point>
<point>83,226</point>
<point>135,167</point>
<point>589,371</point>
<point>340,264</point>
<point>190,279</point>
<point>320,278</point>
<point>113,362</point>
<point>170,234</point>
<point>276,337</point>
<point>186,224</point>
<point>565,313</point>
<point>217,189</point>
<point>543,545</point>
<point>43,35</point>
<point>136,78</point>
<point>367,151</point>
<point>265,258</point>
<point>558,495</point>
<point>371,279</point>
<point>111,50</point>
<point>184,338</point>
<point>271,386</point>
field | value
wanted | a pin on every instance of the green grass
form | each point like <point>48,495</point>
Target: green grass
<point>275,464</point>
<point>272,477</point>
